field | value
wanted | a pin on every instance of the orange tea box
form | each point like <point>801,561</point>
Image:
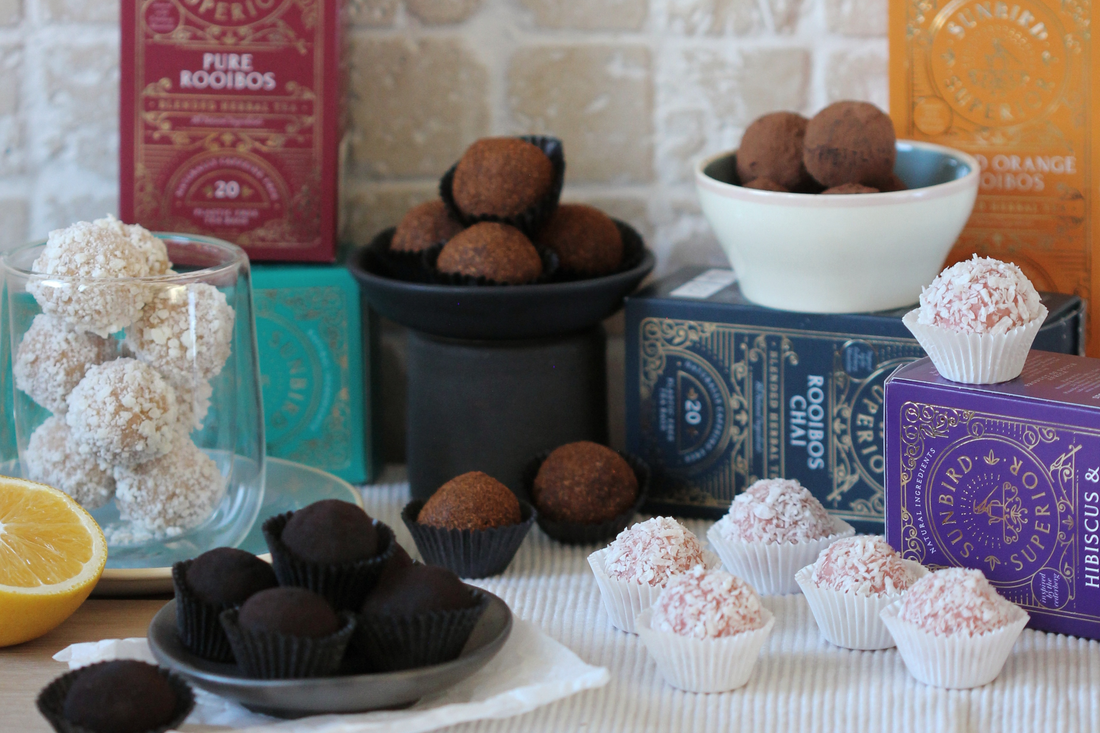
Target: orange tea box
<point>1013,84</point>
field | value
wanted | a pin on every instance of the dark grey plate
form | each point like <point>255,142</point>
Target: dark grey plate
<point>349,694</point>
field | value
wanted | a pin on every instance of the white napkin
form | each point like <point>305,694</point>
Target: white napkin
<point>530,671</point>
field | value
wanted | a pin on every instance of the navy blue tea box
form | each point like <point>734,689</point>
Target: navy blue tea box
<point>1005,478</point>
<point>721,392</point>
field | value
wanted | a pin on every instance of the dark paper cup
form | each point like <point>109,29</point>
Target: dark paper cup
<point>431,255</point>
<point>531,220</point>
<point>392,643</point>
<point>468,553</point>
<point>268,655</point>
<point>197,621</point>
<point>343,585</point>
<point>633,252</point>
<point>51,701</point>
<point>573,533</point>
<point>407,266</point>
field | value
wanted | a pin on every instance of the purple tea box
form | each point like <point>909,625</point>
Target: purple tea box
<point>1005,478</point>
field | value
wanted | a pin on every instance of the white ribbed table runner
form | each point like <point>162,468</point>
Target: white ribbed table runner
<point>800,684</point>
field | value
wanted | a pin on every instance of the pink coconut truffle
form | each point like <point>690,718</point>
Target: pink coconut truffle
<point>707,604</point>
<point>774,511</point>
<point>955,601</point>
<point>52,359</point>
<point>651,552</point>
<point>979,295</point>
<point>864,565</point>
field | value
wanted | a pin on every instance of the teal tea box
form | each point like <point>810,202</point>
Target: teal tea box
<point>721,392</point>
<point>316,367</point>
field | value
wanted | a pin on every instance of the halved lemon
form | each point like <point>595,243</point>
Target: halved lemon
<point>51,555</point>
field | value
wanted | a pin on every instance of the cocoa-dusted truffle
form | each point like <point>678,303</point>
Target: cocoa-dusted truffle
<point>849,142</point>
<point>289,610</point>
<point>772,148</point>
<point>584,483</point>
<point>585,239</point>
<point>123,696</point>
<point>765,184</point>
<point>891,183</point>
<point>501,176</point>
<point>474,500</point>
<point>228,575</point>
<point>494,251</point>
<point>424,226</point>
<point>848,188</point>
<point>419,589</point>
<point>331,531</point>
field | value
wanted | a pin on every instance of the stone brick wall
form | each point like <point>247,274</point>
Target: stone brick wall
<point>637,89</point>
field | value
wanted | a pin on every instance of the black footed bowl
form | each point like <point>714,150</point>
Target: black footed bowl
<point>496,312</point>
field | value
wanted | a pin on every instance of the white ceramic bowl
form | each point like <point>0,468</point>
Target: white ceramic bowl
<point>841,254</point>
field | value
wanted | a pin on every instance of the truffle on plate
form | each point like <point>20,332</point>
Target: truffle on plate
<point>290,611</point>
<point>502,177</point>
<point>423,227</point>
<point>584,483</point>
<point>496,252</point>
<point>418,589</point>
<point>850,142</point>
<point>53,458</point>
<point>52,359</point>
<point>771,148</point>
<point>331,531</point>
<point>226,575</point>
<point>585,239</point>
<point>122,696</point>
<point>123,412</point>
<point>474,501</point>
<point>705,630</point>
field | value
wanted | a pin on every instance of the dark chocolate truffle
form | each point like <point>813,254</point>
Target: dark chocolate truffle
<point>331,531</point>
<point>424,226</point>
<point>585,239</point>
<point>123,696</point>
<point>772,148</point>
<point>398,562</point>
<point>501,176</point>
<point>585,483</point>
<point>419,589</point>
<point>849,142</point>
<point>226,575</point>
<point>848,188</point>
<point>289,610</point>
<point>474,500</point>
<point>494,251</point>
<point>765,184</point>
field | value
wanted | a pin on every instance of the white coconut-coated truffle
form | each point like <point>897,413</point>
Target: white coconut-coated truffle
<point>193,401</point>
<point>979,295</point>
<point>153,249</point>
<point>185,331</point>
<point>52,458</point>
<point>52,359</point>
<point>170,494</point>
<point>74,261</point>
<point>123,412</point>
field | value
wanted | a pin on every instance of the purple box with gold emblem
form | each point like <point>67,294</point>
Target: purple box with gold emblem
<point>1005,478</point>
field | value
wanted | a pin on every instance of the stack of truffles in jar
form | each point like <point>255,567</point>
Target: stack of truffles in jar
<point>123,411</point>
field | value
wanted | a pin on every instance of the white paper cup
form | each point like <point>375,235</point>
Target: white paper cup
<point>704,665</point>
<point>770,567</point>
<point>625,600</point>
<point>976,358</point>
<point>958,661</point>
<point>851,620</point>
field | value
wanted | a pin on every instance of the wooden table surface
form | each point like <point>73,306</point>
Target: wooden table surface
<point>27,668</point>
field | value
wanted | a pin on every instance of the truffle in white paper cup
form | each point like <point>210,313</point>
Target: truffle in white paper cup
<point>976,358</point>
<point>704,665</point>
<point>770,567</point>
<point>851,620</point>
<point>625,600</point>
<point>956,661</point>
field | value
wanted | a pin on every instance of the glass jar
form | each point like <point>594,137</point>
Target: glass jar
<point>141,397</point>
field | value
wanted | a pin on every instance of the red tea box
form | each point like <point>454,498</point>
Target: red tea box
<point>229,122</point>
